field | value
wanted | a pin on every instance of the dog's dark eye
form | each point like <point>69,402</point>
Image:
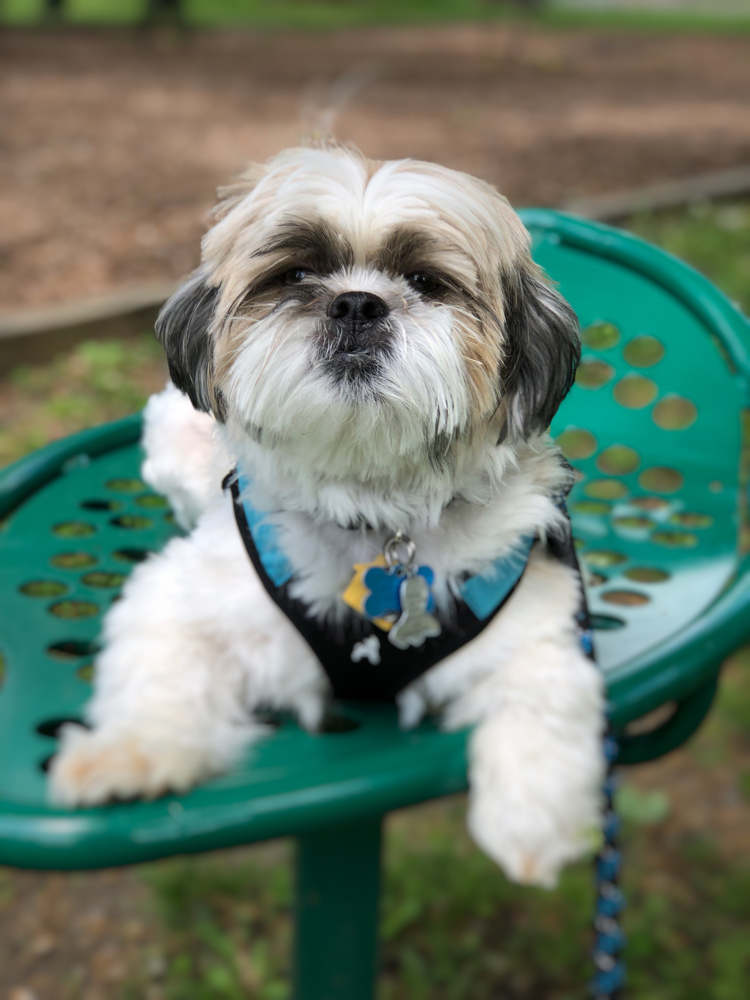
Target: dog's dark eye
<point>423,283</point>
<point>296,275</point>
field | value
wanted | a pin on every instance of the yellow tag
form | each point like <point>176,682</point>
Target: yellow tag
<point>357,593</point>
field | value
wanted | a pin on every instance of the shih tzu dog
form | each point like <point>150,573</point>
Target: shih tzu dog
<point>369,346</point>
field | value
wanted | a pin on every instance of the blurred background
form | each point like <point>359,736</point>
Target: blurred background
<point>118,119</point>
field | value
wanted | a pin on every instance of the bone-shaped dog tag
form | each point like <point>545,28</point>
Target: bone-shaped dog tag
<point>367,649</point>
<point>415,624</point>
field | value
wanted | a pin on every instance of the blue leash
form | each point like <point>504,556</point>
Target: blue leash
<point>609,940</point>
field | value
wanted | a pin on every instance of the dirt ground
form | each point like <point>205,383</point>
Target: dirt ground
<point>112,144</point>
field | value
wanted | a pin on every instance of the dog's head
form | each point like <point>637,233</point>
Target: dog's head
<point>391,306</point>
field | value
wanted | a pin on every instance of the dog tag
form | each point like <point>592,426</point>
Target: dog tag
<point>375,591</point>
<point>415,624</point>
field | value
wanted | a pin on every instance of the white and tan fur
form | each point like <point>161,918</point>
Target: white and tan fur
<point>437,427</point>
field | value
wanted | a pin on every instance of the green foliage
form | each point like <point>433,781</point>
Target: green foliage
<point>644,19</point>
<point>7,893</point>
<point>99,380</point>
<point>643,808</point>
<point>734,694</point>
<point>335,14</point>
<point>453,928</point>
<point>227,927</point>
<point>713,237</point>
<point>684,922</point>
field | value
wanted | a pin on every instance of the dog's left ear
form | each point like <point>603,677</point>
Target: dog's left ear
<point>542,351</point>
<point>183,328</point>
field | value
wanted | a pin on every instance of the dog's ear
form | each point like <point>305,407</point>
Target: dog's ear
<point>542,351</point>
<point>183,328</point>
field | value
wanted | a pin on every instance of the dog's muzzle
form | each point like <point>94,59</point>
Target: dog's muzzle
<point>356,334</point>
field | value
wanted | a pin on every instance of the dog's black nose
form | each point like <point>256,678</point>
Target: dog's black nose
<point>358,308</point>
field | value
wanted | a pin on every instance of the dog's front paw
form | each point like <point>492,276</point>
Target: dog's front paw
<point>530,847</point>
<point>96,766</point>
<point>535,801</point>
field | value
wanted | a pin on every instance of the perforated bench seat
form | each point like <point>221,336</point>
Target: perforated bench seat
<point>654,426</point>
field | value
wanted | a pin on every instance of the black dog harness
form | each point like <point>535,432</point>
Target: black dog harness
<point>359,655</point>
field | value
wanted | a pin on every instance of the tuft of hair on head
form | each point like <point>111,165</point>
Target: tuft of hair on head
<point>230,195</point>
<point>183,328</point>
<point>542,351</point>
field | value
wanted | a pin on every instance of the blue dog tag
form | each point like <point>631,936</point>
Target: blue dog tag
<point>385,585</point>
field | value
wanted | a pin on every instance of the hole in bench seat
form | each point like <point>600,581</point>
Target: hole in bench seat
<point>131,555</point>
<point>132,522</point>
<point>52,727</point>
<point>73,560</point>
<point>74,609</point>
<point>101,504</point>
<point>71,649</point>
<point>606,623</point>
<point>43,588</point>
<point>336,722</point>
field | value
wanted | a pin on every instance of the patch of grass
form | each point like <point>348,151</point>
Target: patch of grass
<point>685,923</point>
<point>641,808</point>
<point>666,21</point>
<point>7,894</point>
<point>712,236</point>
<point>453,928</point>
<point>97,381</point>
<point>336,14</point>
<point>227,926</point>
<point>733,699</point>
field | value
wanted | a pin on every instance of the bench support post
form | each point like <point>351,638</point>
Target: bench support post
<point>338,884</point>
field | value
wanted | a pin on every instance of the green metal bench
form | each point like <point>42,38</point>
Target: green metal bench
<point>654,425</point>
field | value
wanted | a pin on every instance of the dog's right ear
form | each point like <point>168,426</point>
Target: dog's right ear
<point>183,328</point>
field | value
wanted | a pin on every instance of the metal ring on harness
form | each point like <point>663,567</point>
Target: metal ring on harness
<point>393,551</point>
